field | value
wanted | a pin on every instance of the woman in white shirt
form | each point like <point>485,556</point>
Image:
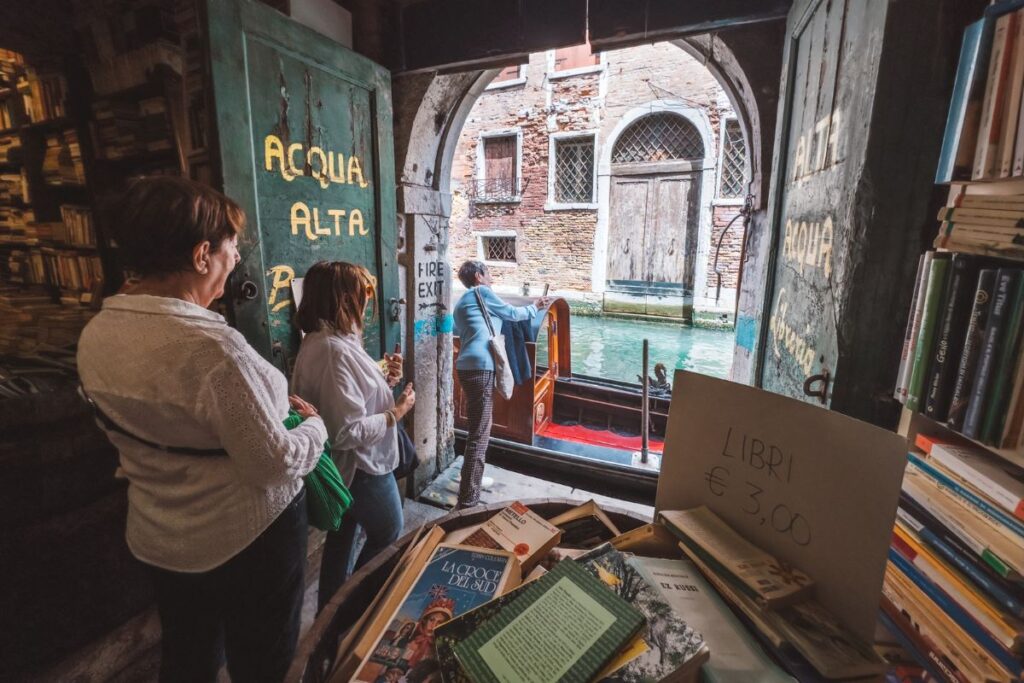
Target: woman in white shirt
<point>353,394</point>
<point>216,505</point>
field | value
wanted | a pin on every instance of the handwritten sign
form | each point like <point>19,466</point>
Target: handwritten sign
<point>812,487</point>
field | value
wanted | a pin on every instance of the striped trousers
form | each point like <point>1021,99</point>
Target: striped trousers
<point>478,388</point>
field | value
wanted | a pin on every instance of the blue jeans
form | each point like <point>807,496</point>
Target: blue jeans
<point>377,508</point>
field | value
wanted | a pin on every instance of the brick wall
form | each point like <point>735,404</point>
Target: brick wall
<point>732,244</point>
<point>557,246</point>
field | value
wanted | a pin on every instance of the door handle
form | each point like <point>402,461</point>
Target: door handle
<point>672,247</point>
<point>248,290</point>
<point>821,393</point>
<point>395,309</point>
<point>625,249</point>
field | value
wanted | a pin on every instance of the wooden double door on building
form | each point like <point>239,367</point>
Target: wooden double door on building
<point>652,233</point>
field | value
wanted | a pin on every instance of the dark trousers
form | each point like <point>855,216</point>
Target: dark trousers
<point>377,508</point>
<point>478,386</point>
<point>247,609</point>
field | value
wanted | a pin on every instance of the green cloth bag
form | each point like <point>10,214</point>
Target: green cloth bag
<point>327,497</point>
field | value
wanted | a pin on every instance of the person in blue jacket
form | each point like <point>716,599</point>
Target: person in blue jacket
<point>475,367</point>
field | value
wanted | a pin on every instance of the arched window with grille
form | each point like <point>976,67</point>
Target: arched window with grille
<point>732,176</point>
<point>662,136</point>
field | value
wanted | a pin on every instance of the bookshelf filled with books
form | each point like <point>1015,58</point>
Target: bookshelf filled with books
<point>51,271</point>
<point>73,130</point>
<point>954,584</point>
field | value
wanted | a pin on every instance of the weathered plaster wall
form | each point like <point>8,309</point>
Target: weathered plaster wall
<point>846,207</point>
<point>429,111</point>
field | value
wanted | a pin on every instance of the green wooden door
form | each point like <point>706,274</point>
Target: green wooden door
<point>305,137</point>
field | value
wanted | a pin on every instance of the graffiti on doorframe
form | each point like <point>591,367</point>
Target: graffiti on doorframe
<point>281,281</point>
<point>786,338</point>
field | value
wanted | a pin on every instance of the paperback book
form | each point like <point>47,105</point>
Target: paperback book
<point>454,580</point>
<point>563,627</point>
<point>518,530</point>
<point>735,657</point>
<point>763,577</point>
<point>674,650</point>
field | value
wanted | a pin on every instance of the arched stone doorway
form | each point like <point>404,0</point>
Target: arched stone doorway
<point>430,111</point>
<point>651,180</point>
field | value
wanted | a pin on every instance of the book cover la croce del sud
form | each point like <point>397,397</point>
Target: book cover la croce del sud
<point>454,581</point>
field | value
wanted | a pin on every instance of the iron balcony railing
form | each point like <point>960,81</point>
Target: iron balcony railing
<point>483,190</point>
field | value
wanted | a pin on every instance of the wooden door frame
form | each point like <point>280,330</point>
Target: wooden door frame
<point>777,191</point>
<point>697,117</point>
<point>236,155</point>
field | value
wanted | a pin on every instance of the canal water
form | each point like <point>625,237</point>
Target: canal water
<point>612,348</point>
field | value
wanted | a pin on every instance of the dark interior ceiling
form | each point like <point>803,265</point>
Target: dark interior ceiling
<point>620,23</point>
<point>453,35</point>
<point>39,29</point>
<point>462,34</point>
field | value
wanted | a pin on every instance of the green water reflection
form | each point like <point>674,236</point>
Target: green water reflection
<point>612,348</point>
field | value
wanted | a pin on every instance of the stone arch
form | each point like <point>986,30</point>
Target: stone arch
<point>430,110</point>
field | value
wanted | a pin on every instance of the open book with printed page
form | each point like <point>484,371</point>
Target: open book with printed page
<point>736,657</point>
<point>565,626</point>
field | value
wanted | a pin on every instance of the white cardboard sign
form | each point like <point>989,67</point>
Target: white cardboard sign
<point>812,487</point>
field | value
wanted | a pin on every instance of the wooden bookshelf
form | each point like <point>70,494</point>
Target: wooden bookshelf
<point>913,423</point>
<point>970,328</point>
<point>50,276</point>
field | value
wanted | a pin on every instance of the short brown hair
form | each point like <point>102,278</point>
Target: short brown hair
<point>468,272</point>
<point>158,220</point>
<point>335,293</point>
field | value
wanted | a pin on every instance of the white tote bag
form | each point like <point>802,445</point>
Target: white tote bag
<point>503,380</point>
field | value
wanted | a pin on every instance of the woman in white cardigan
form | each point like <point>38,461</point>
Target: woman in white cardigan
<point>354,396</point>
<point>216,505</point>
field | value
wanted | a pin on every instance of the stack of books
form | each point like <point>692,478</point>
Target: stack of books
<point>14,188</point>
<point>776,598</point>
<point>62,162</point>
<point>31,322</point>
<point>962,363</point>
<point>125,128</point>
<point>44,95</point>
<point>11,67</point>
<point>26,266</point>
<point>953,585</point>
<point>679,600</point>
<point>10,149</point>
<point>987,225</point>
<point>984,137</point>
<point>80,230</point>
<point>14,222</point>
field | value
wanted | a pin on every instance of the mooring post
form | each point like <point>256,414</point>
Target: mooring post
<point>644,410</point>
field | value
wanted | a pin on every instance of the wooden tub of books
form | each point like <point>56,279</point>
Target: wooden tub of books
<point>338,643</point>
